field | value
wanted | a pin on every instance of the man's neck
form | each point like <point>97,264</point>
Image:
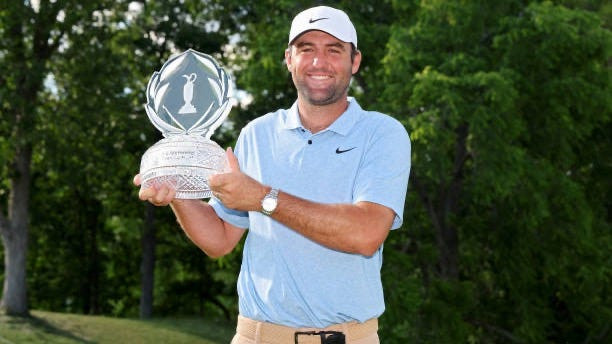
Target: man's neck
<point>316,118</point>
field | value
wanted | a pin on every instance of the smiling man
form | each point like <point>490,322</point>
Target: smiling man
<point>318,186</point>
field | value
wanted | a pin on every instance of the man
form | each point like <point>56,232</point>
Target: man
<point>318,186</point>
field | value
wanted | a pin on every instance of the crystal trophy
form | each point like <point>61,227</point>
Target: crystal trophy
<point>186,100</point>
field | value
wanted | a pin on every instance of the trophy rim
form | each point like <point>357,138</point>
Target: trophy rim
<point>159,166</point>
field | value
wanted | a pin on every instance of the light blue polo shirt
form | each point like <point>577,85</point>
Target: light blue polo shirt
<point>286,278</point>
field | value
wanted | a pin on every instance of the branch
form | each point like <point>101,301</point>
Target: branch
<point>505,333</point>
<point>457,172</point>
<point>428,204</point>
<point>43,24</point>
<point>453,189</point>
<point>602,335</point>
<point>4,223</point>
<point>461,151</point>
<point>53,46</point>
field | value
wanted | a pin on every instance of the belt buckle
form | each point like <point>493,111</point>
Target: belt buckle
<point>327,337</point>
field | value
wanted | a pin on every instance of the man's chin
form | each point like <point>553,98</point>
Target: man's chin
<point>322,99</point>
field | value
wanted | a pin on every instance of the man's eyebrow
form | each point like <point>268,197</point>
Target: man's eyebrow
<point>336,44</point>
<point>301,44</point>
<point>310,44</point>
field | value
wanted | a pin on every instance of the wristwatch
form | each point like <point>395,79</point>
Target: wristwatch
<point>269,202</point>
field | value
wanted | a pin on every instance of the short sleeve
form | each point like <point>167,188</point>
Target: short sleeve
<point>385,169</point>
<point>236,218</point>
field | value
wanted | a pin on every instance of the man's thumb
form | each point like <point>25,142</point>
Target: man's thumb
<point>232,160</point>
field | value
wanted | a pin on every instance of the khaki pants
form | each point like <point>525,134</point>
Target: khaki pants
<point>251,331</point>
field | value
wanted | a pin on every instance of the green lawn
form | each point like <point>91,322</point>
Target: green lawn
<point>49,327</point>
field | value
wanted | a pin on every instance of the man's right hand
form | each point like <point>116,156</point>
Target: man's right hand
<point>161,196</point>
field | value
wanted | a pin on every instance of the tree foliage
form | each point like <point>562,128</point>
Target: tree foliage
<point>88,130</point>
<point>504,105</point>
<point>506,235</point>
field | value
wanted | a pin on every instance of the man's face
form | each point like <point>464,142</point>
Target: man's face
<point>321,67</point>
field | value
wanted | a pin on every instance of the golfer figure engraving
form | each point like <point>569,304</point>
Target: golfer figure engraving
<point>188,94</point>
<point>187,113</point>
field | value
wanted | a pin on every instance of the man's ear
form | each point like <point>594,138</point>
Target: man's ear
<point>356,62</point>
<point>288,58</point>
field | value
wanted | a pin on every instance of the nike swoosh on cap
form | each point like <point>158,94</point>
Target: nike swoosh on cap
<point>315,20</point>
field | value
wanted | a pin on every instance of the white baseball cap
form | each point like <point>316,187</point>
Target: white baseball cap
<point>323,18</point>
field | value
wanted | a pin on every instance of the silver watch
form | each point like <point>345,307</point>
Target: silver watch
<point>269,202</point>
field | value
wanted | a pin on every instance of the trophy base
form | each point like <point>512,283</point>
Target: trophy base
<point>184,163</point>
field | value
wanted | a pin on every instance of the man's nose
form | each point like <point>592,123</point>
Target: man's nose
<point>319,59</point>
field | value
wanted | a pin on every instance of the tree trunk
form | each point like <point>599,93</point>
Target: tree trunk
<point>147,265</point>
<point>447,235</point>
<point>15,236</point>
<point>90,285</point>
<point>93,269</point>
<point>29,45</point>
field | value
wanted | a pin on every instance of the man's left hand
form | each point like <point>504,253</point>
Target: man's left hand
<point>235,189</point>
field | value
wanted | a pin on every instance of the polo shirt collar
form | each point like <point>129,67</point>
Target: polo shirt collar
<point>342,125</point>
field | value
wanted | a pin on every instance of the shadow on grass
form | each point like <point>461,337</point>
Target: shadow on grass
<point>42,326</point>
<point>216,330</point>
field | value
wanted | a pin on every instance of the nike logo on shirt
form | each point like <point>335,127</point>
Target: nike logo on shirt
<point>340,151</point>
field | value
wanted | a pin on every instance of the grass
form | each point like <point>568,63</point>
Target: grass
<point>61,328</point>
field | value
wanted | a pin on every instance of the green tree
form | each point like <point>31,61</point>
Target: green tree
<point>507,232</point>
<point>156,30</point>
<point>31,35</point>
<point>503,102</point>
<point>75,77</point>
<point>506,105</point>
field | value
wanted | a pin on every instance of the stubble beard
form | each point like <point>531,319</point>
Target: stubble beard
<point>331,95</point>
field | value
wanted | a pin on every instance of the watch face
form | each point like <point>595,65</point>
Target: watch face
<point>268,204</point>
